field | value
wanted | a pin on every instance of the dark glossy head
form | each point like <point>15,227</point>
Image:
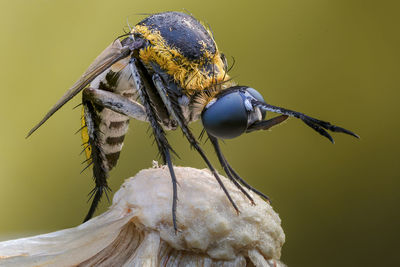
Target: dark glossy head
<point>230,113</point>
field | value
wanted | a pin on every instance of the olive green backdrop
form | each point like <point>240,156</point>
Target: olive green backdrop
<point>335,60</point>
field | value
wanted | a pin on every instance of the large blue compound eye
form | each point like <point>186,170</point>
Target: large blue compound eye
<point>227,117</point>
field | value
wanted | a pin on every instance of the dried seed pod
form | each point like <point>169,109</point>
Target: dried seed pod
<point>137,230</point>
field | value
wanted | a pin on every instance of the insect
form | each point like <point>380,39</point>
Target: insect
<point>168,72</point>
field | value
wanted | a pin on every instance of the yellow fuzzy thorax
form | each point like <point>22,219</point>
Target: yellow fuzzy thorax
<point>187,73</point>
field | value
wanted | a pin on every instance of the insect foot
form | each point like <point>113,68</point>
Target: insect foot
<point>138,230</point>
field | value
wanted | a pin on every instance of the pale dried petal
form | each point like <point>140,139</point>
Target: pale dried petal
<point>138,231</point>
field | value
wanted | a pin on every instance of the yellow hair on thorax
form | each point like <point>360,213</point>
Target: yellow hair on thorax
<point>189,74</point>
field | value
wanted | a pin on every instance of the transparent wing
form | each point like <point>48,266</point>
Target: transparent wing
<point>107,58</point>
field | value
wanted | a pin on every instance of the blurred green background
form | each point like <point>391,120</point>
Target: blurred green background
<point>335,60</point>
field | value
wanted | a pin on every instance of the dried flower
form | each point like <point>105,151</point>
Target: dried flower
<point>137,230</point>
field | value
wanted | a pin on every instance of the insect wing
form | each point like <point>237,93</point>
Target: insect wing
<point>107,58</point>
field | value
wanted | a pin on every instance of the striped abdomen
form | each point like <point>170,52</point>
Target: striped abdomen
<point>103,129</point>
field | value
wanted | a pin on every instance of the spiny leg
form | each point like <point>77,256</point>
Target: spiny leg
<point>224,164</point>
<point>174,109</point>
<point>95,155</point>
<point>147,113</point>
<point>112,54</point>
<point>138,71</point>
<point>93,98</point>
<point>227,167</point>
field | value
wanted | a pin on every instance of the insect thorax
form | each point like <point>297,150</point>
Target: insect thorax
<point>182,47</point>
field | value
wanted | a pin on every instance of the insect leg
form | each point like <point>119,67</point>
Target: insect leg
<point>175,110</point>
<point>95,155</point>
<point>164,148</point>
<point>101,161</point>
<point>116,102</point>
<point>227,167</point>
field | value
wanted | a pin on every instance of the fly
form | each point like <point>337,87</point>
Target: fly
<point>168,72</point>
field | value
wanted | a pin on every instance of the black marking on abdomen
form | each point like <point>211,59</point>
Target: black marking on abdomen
<point>112,159</point>
<point>115,140</point>
<point>117,124</point>
<point>110,82</point>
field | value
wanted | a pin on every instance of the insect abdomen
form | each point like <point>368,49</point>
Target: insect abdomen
<point>111,127</point>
